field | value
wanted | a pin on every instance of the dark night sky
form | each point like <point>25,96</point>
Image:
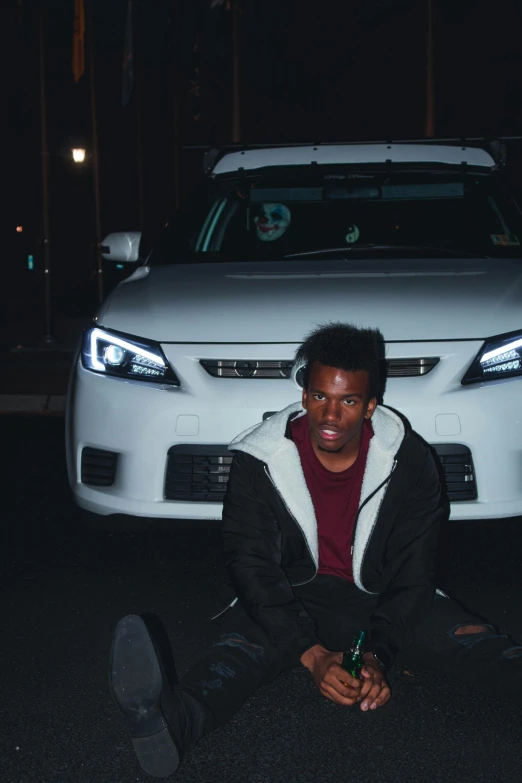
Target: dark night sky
<point>337,71</point>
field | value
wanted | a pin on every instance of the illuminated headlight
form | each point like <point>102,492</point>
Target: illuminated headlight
<point>125,357</point>
<point>499,357</point>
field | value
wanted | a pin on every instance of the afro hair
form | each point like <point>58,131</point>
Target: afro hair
<point>348,348</point>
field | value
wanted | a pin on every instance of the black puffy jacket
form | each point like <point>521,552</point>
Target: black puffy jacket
<point>270,531</point>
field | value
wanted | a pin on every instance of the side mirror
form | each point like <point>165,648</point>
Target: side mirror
<point>123,247</point>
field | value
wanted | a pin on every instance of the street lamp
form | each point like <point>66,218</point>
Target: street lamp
<point>78,155</point>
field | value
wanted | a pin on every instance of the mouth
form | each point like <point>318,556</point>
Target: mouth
<point>329,433</point>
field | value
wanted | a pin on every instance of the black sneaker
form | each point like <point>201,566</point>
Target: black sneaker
<point>139,688</point>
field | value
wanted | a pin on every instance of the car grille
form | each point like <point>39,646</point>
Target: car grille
<point>197,473</point>
<point>457,463</point>
<point>98,467</point>
<point>404,368</point>
<point>248,368</point>
<point>251,368</point>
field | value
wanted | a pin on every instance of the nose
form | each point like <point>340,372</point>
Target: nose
<point>332,411</point>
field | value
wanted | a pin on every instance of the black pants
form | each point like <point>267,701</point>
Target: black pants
<point>242,659</point>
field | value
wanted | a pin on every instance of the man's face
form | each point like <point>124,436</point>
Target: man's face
<point>337,404</point>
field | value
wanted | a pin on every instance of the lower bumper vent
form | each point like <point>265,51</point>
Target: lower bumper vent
<point>98,467</point>
<point>457,463</point>
<point>200,473</point>
<point>197,473</point>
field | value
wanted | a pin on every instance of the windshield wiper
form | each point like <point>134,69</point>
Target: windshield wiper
<point>347,250</point>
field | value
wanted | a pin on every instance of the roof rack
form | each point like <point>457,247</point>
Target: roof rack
<point>496,146</point>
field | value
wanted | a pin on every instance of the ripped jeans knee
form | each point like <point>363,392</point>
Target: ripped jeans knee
<point>513,652</point>
<point>470,634</point>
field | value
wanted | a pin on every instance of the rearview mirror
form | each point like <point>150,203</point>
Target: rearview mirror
<point>123,247</point>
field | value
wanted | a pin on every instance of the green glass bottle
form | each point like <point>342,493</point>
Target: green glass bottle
<point>352,659</point>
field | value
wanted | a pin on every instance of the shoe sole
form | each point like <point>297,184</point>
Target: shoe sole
<point>136,684</point>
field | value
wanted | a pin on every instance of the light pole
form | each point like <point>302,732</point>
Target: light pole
<point>236,110</point>
<point>95,160</point>
<point>48,338</point>
<point>429,120</point>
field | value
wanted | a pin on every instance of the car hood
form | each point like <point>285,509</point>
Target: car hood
<point>414,299</point>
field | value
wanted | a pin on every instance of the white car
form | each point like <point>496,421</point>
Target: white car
<point>420,240</point>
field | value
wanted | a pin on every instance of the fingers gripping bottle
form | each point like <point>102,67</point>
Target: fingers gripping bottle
<point>352,659</point>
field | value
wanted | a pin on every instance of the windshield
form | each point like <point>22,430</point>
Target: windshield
<point>295,214</point>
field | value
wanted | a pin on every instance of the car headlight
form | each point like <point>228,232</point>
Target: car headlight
<point>124,357</point>
<point>499,357</point>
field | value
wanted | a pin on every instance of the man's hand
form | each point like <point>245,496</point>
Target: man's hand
<point>375,691</point>
<point>330,678</point>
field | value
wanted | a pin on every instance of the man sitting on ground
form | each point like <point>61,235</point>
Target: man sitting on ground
<point>331,525</point>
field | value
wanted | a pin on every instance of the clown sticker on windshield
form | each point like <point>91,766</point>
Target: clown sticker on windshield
<point>352,235</point>
<point>273,222</point>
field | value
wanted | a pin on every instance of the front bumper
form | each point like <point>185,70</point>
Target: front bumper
<point>141,422</point>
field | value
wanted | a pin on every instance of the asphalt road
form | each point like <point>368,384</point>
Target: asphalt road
<point>64,588</point>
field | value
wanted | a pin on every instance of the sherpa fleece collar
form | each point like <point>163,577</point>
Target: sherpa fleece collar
<point>268,443</point>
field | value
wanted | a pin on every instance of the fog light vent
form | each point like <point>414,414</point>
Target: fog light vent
<point>457,464</point>
<point>98,467</point>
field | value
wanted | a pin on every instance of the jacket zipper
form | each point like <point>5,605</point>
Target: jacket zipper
<point>297,584</point>
<point>367,500</point>
<point>230,604</point>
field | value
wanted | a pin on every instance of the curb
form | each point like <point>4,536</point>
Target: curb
<point>48,404</point>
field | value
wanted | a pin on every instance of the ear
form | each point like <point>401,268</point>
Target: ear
<point>370,408</point>
<point>304,398</point>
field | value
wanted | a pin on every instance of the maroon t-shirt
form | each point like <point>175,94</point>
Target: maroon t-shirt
<point>336,498</point>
